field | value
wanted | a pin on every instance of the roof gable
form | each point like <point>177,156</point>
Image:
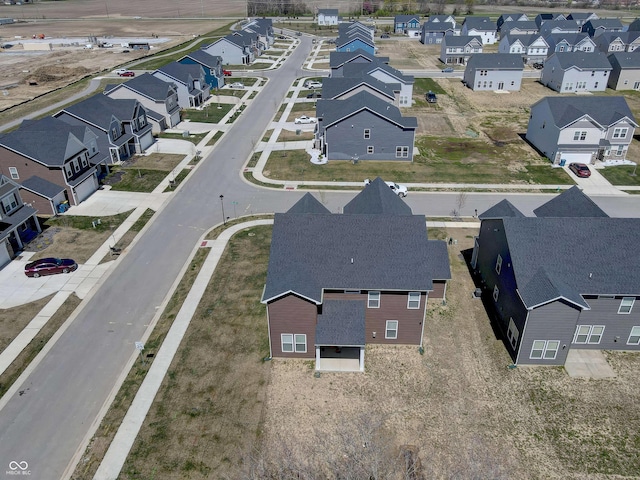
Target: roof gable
<point>570,203</point>
<point>308,204</point>
<point>377,198</point>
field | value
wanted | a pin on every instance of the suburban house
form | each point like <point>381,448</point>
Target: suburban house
<point>250,38</point>
<point>582,17</point>
<point>339,281</point>
<point>625,71</point>
<point>443,18</point>
<point>433,32</point>
<point>570,42</point>
<point>263,28</point>
<point>527,27</point>
<point>457,49</point>
<point>159,98</point>
<point>363,127</point>
<point>341,88</point>
<point>581,128</point>
<point>56,152</point>
<point>211,65</point>
<point>494,71</point>
<point>610,42</point>
<point>481,27</point>
<point>576,72</point>
<point>407,25</point>
<point>337,60</point>
<point>18,221</point>
<point>355,41</point>
<point>531,48</point>
<point>192,88</point>
<point>120,125</point>
<point>385,74</point>
<point>548,17</point>
<point>233,50</point>
<point>546,300</point>
<point>355,28</point>
<point>327,16</point>
<point>601,25</point>
<point>511,17</point>
<point>559,26</point>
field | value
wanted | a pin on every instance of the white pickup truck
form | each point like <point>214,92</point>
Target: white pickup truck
<point>398,189</point>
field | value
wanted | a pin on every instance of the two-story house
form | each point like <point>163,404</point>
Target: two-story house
<point>263,27</point>
<point>328,16</point>
<point>189,79</point>
<point>511,17</point>
<point>329,301</point>
<point>433,32</point>
<point>341,88</point>
<point>581,128</point>
<point>385,74</point>
<point>625,71</point>
<point>576,72</point>
<point>482,27</point>
<point>18,221</point>
<point>456,50</point>
<point>541,18</point>
<point>444,19</point>
<point>611,42</point>
<point>233,49</point>
<point>601,25</point>
<point>159,98</point>
<point>570,42</point>
<point>338,60</point>
<point>50,152</point>
<point>559,26</point>
<point>211,65</point>
<point>532,48</point>
<point>582,17</point>
<point>407,25</point>
<point>494,71</point>
<point>527,27</point>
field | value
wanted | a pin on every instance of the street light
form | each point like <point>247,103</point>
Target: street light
<point>224,220</point>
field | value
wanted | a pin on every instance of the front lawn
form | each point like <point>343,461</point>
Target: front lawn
<point>212,113</point>
<point>621,175</point>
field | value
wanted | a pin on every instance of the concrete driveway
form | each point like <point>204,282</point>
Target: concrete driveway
<point>596,184</point>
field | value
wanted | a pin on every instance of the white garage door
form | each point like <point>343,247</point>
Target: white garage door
<point>146,141</point>
<point>86,188</point>
<point>575,157</point>
<point>4,255</point>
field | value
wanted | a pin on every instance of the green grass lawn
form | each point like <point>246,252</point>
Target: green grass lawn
<point>212,113</point>
<point>621,175</point>
<point>423,85</point>
<point>138,179</point>
<point>194,138</point>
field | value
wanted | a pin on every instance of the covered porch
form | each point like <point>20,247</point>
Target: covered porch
<point>340,336</point>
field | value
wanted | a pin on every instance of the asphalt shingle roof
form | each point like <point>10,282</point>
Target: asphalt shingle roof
<point>518,25</point>
<point>204,58</point>
<point>377,198</point>
<point>460,40</point>
<point>502,209</point>
<point>495,61</point>
<point>338,59</point>
<point>336,86</point>
<point>437,26</point>
<point>570,38</point>
<point>149,86</point>
<point>42,187</point>
<point>570,203</point>
<point>582,60</point>
<point>182,72</point>
<point>308,204</point>
<point>100,109</point>
<point>479,23</point>
<point>342,322</point>
<point>626,59</point>
<point>604,110</point>
<point>358,69</point>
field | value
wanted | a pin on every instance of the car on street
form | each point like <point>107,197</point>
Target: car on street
<point>120,70</point>
<point>312,84</point>
<point>385,35</point>
<point>398,189</point>
<point>127,73</point>
<point>237,85</point>
<point>314,95</point>
<point>299,34</point>
<point>226,73</point>
<point>580,169</point>
<point>125,51</point>
<point>305,119</point>
<point>447,70</point>
<point>49,266</point>
<point>281,37</point>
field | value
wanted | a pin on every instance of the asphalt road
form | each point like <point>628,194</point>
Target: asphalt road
<point>46,424</point>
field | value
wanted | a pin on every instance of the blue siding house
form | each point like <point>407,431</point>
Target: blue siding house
<point>211,64</point>
<point>355,42</point>
<point>407,25</point>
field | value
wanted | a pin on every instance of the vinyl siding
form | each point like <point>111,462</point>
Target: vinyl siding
<point>604,311</point>
<point>291,314</point>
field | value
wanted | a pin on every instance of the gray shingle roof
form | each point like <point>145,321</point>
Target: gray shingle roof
<point>336,86</point>
<point>406,18</point>
<point>182,72</point>
<point>571,38</point>
<point>607,263</point>
<point>204,58</point>
<point>437,26</point>
<point>328,11</point>
<point>582,60</point>
<point>605,23</point>
<point>100,109</point>
<point>308,204</point>
<point>479,23</point>
<point>343,40</point>
<point>337,59</point>
<point>342,322</point>
<point>148,86</point>
<point>439,257</point>
<point>503,208</point>
<point>495,61</point>
<point>358,69</point>
<point>377,198</point>
<point>626,59</point>
<point>460,40</point>
<point>570,203</point>
<point>519,25</point>
<point>604,110</point>
<point>42,187</point>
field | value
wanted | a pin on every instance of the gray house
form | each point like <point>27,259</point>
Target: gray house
<point>545,299</point>
<point>189,79</point>
<point>341,88</point>
<point>511,17</point>
<point>456,50</point>
<point>570,42</point>
<point>559,26</point>
<point>234,50</point>
<point>364,127</point>
<point>159,98</point>
<point>482,27</point>
<point>528,27</point>
<point>576,72</point>
<point>337,60</point>
<point>385,74</point>
<point>328,302</point>
<point>494,71</point>
<point>625,73</point>
<point>532,48</point>
<point>263,27</point>
<point>434,32</point>
<point>599,26</point>
<point>582,17</point>
<point>611,42</point>
<point>581,128</point>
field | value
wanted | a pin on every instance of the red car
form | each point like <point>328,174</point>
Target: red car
<point>128,73</point>
<point>580,169</point>
<point>49,266</point>
<point>226,73</point>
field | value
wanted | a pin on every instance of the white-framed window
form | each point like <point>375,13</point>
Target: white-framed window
<point>634,336</point>
<point>9,203</point>
<point>496,293</point>
<point>373,300</point>
<point>620,132</point>
<point>588,334</point>
<point>402,152</point>
<point>544,349</point>
<point>626,305</point>
<point>391,329</point>
<point>370,149</point>
<point>413,301</point>
<point>620,150</point>
<point>301,342</point>
<point>498,264</point>
<point>68,170</point>
<point>580,135</point>
<point>512,333</point>
<point>287,342</point>
<point>13,171</point>
<point>367,133</point>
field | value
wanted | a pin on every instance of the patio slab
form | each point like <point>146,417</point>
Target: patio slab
<point>588,364</point>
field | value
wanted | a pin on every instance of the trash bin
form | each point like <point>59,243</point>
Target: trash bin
<point>563,162</point>
<point>185,134</point>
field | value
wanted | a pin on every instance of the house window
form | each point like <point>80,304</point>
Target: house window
<point>513,333</point>
<point>588,334</point>
<point>287,342</point>
<point>68,170</point>
<point>9,203</point>
<point>620,132</point>
<point>402,152</point>
<point>370,149</point>
<point>498,264</point>
<point>413,301</point>
<point>626,305</point>
<point>496,293</point>
<point>367,133</point>
<point>391,329</point>
<point>620,150</point>
<point>13,171</point>
<point>544,349</point>
<point>634,336</point>
<point>580,135</point>
<point>85,162</point>
<point>373,300</point>
<point>301,343</point>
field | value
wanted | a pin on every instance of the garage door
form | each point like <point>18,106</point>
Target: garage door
<point>86,188</point>
<point>146,141</point>
<point>4,255</point>
<point>575,157</point>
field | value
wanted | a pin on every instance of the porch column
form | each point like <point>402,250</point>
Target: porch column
<point>317,358</point>
<point>362,359</point>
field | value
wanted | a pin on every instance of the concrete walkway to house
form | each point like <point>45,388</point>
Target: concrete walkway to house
<point>587,364</point>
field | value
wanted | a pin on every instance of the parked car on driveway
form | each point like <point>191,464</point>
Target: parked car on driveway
<point>49,266</point>
<point>447,70</point>
<point>127,73</point>
<point>305,119</point>
<point>580,169</point>
<point>312,84</point>
<point>237,85</point>
<point>395,187</point>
